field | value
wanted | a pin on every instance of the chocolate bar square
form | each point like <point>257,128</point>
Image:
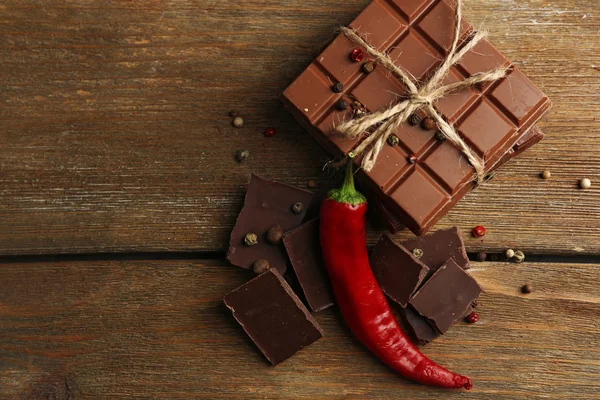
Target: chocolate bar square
<point>304,250</point>
<point>446,296</point>
<point>267,204</point>
<point>273,316</point>
<point>417,34</point>
<point>397,271</point>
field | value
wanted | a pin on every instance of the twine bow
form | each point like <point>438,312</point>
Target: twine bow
<point>387,121</point>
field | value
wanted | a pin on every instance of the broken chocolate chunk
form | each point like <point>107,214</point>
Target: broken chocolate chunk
<point>438,248</point>
<point>273,316</point>
<point>398,272</point>
<point>304,250</point>
<point>418,329</point>
<point>446,296</point>
<point>267,204</point>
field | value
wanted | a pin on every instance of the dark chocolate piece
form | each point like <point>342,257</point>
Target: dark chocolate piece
<point>446,296</point>
<point>398,272</point>
<point>267,204</point>
<point>418,329</point>
<point>273,316</point>
<point>304,250</point>
<point>438,248</point>
<point>491,118</point>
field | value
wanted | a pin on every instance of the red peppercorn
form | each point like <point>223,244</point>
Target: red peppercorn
<point>357,55</point>
<point>270,132</point>
<point>479,231</point>
<point>472,318</point>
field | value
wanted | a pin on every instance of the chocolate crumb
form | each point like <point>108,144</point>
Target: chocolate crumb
<point>526,289</point>
<point>274,234</point>
<point>250,239</point>
<point>260,266</point>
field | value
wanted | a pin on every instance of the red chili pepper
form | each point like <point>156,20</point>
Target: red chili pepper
<point>363,305</point>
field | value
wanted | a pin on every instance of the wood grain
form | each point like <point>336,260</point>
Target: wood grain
<point>115,135</point>
<point>159,330</point>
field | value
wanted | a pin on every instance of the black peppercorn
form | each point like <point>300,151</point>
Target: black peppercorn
<point>338,87</point>
<point>428,123</point>
<point>298,208</point>
<point>440,136</point>
<point>393,140</point>
<point>274,234</point>
<point>526,289</point>
<point>341,105</point>
<point>414,119</point>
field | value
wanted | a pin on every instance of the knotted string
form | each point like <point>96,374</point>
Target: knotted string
<point>387,121</point>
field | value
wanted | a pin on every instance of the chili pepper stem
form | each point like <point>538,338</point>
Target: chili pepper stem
<point>348,193</point>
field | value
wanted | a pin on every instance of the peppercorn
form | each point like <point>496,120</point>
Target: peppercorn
<point>274,234</point>
<point>393,140</point>
<point>545,175</point>
<point>238,122</point>
<point>260,266</point>
<point>526,289</point>
<point>368,67</point>
<point>414,119</point>
<point>270,132</point>
<point>418,253</point>
<point>474,303</point>
<point>250,239</point>
<point>509,253</point>
<point>357,55</point>
<point>298,208</point>
<point>519,256</point>
<point>242,155</point>
<point>428,123</point>
<point>440,136</point>
<point>338,87</point>
<point>481,256</point>
<point>412,159</point>
<point>311,184</point>
<point>358,109</point>
<point>478,231</point>
<point>341,105</point>
<point>585,183</point>
<point>472,318</point>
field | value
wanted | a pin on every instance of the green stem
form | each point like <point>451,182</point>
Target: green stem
<point>348,193</point>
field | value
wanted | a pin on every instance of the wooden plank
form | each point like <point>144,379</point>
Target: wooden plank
<point>158,329</point>
<point>115,135</point>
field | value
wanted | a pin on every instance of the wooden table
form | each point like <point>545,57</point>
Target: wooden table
<point>118,190</point>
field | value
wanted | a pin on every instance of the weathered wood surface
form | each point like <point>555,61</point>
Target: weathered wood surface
<point>159,330</point>
<point>115,137</point>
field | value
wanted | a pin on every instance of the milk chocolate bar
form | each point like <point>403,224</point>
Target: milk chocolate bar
<point>273,316</point>
<point>423,176</point>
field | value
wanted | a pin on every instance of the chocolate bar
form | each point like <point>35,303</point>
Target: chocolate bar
<point>398,272</point>
<point>437,248</point>
<point>530,138</point>
<point>273,316</point>
<point>422,177</point>
<point>304,250</point>
<point>267,204</point>
<point>446,296</point>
